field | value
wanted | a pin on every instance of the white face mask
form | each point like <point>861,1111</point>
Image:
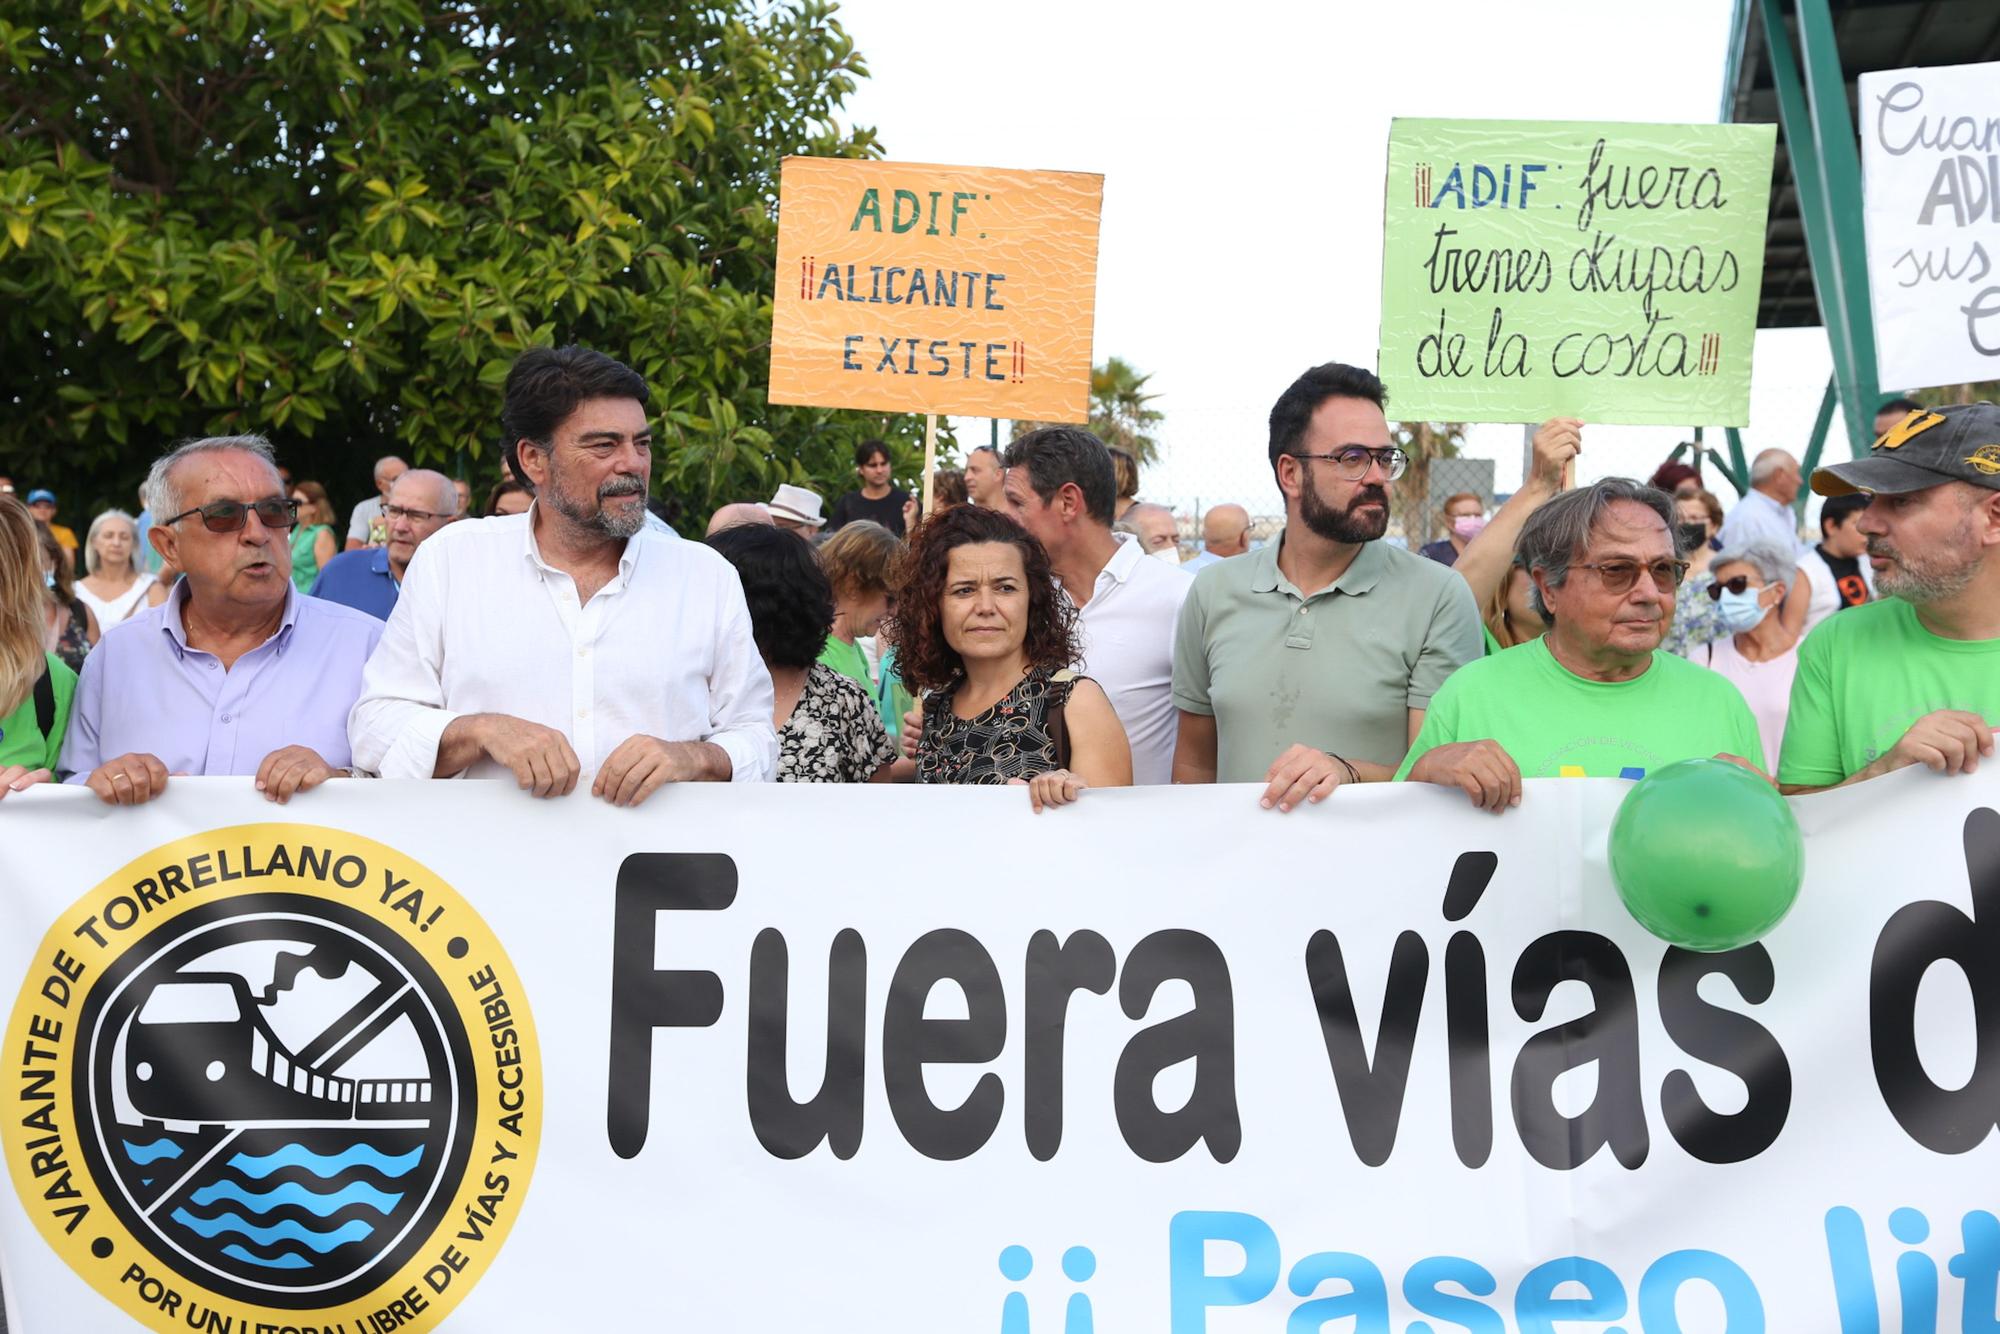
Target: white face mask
<point>1171,555</point>
<point>1741,611</point>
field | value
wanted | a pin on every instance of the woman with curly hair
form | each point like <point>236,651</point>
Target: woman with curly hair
<point>985,636</point>
<point>828,730</point>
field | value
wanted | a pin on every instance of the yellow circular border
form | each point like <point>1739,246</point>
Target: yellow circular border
<point>427,936</point>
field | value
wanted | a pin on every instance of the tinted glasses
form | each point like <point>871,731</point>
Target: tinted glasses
<point>229,516</point>
<point>1618,576</point>
<point>1739,585</point>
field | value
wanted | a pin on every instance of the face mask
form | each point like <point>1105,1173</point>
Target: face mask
<point>1468,526</point>
<point>1171,555</point>
<point>1740,611</point>
<point>1693,535</point>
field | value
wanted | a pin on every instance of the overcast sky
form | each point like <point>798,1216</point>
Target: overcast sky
<point>1243,151</point>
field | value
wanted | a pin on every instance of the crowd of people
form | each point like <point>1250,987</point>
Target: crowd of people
<point>1035,627</point>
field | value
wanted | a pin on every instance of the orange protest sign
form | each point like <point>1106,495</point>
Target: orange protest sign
<point>909,287</point>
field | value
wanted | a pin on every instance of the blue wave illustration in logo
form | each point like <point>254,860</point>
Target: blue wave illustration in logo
<point>320,1165</point>
<point>283,1230</point>
<point>287,1260</point>
<point>291,1192</point>
<point>144,1154</point>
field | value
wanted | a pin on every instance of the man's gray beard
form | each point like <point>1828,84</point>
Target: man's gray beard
<point>1932,579</point>
<point>598,520</point>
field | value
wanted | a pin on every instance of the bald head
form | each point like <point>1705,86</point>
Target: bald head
<point>1153,525</point>
<point>740,512</point>
<point>1225,530</point>
<point>422,489</point>
<point>1776,474</point>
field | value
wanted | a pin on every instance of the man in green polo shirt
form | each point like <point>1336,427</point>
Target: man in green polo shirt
<point>1913,678</point>
<point>1594,697</point>
<point>1310,661</point>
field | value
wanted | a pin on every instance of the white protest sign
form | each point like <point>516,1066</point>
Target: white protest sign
<point>408,1053</point>
<point>1930,158</point>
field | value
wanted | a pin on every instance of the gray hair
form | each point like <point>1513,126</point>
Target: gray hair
<point>1769,464</point>
<point>1772,565</point>
<point>96,526</point>
<point>384,462</point>
<point>165,497</point>
<point>1559,532</point>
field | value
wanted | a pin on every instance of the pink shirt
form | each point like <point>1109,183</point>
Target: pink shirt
<point>1766,686</point>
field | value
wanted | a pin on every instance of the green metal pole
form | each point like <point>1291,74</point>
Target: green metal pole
<point>1817,443</point>
<point>1826,166</point>
<point>1739,461</point>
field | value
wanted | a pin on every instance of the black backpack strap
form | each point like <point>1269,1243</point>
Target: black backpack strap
<point>45,703</point>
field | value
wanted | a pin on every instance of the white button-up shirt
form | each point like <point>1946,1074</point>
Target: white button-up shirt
<point>485,625</point>
<point>1127,631</point>
<point>1758,518</point>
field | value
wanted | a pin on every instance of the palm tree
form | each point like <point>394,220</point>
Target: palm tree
<point>1422,441</point>
<point>1120,410</point>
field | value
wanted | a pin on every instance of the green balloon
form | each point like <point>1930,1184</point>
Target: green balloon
<point>1706,855</point>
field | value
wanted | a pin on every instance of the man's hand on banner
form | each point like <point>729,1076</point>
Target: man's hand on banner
<point>1481,769</point>
<point>129,780</point>
<point>292,770</point>
<point>1303,774</point>
<point>1949,741</point>
<point>541,757</point>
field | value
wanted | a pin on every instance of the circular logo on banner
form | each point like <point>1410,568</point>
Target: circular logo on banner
<point>277,1073</point>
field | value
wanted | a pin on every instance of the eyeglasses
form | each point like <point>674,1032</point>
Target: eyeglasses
<point>414,516</point>
<point>1618,576</point>
<point>1739,585</point>
<point>229,516</point>
<point>1351,464</point>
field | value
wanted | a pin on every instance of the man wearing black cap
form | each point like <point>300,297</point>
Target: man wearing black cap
<point>1915,677</point>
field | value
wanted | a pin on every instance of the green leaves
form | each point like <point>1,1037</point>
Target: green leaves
<point>338,222</point>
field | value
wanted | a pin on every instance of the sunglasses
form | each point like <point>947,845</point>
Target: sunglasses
<point>1738,586</point>
<point>1618,576</point>
<point>229,516</point>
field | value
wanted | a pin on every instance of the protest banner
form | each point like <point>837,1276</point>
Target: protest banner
<point>1163,1061</point>
<point>1537,269</point>
<point>911,287</point>
<point>1930,161</point>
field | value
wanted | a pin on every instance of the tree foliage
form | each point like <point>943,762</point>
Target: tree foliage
<point>1423,442</point>
<point>1121,412</point>
<point>337,221</point>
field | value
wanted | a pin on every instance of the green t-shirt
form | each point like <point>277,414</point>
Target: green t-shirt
<point>21,741</point>
<point>1555,724</point>
<point>1864,676</point>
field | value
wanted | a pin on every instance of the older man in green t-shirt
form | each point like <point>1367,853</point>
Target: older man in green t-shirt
<point>1594,697</point>
<point>1915,677</point>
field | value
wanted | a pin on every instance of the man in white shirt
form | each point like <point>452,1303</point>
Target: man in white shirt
<point>1058,484</point>
<point>1765,513</point>
<point>571,641</point>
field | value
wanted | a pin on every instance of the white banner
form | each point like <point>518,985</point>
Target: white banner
<point>918,1060</point>
<point>1930,160</point>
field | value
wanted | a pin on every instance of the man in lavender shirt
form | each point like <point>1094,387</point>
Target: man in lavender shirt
<point>235,673</point>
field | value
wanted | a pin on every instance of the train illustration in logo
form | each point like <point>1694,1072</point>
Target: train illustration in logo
<point>200,1051</point>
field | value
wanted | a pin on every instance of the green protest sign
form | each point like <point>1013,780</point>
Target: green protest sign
<point>1536,269</point>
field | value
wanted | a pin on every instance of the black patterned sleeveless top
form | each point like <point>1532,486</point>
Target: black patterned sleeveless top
<point>1010,740</point>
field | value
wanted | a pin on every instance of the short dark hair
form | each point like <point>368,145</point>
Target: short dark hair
<point>1898,405</point>
<point>868,449</point>
<point>985,449</point>
<point>1836,510</point>
<point>1056,455</point>
<point>1293,411</point>
<point>791,603</point>
<point>545,384</point>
